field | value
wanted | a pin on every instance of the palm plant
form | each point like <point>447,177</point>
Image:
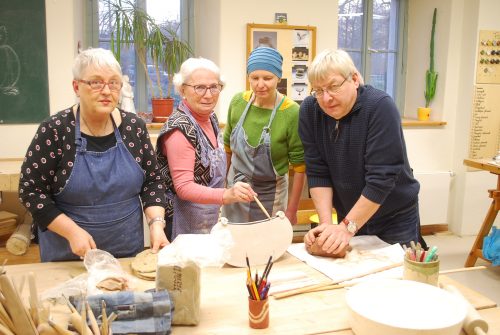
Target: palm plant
<point>431,76</point>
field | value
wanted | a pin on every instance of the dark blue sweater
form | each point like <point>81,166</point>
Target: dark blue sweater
<point>363,153</point>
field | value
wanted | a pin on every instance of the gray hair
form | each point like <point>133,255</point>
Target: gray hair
<point>328,61</point>
<point>189,66</point>
<point>96,57</point>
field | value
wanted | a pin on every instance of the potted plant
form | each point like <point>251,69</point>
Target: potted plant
<point>173,53</point>
<point>132,25</point>
<point>431,77</point>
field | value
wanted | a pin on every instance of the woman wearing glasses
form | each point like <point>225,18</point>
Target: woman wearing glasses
<point>356,158</point>
<point>262,141</point>
<point>91,169</point>
<point>191,154</point>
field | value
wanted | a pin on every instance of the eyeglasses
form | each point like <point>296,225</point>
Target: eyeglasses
<point>201,90</point>
<point>331,90</point>
<point>98,85</point>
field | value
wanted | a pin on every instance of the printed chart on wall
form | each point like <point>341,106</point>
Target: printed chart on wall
<point>297,45</point>
<point>24,89</point>
<point>484,140</point>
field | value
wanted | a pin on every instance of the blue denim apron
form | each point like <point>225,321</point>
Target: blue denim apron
<point>254,165</point>
<point>194,218</point>
<point>102,197</point>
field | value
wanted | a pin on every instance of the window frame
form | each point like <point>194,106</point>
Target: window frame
<point>401,50</point>
<point>91,38</point>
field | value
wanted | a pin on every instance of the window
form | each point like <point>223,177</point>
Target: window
<point>372,31</point>
<point>165,13</point>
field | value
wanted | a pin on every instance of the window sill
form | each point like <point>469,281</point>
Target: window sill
<point>408,122</point>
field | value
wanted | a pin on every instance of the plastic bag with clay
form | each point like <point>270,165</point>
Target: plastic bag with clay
<point>104,274</point>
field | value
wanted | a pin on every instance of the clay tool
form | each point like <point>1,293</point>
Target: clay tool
<point>15,308</point>
<point>60,329</point>
<point>261,206</point>
<point>93,321</point>
<point>104,324</point>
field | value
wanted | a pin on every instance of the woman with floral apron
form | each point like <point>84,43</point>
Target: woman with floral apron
<point>90,171</point>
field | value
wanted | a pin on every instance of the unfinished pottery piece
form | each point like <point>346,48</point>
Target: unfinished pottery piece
<point>403,307</point>
<point>258,239</point>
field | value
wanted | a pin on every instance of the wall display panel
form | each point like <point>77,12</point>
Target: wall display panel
<point>297,45</point>
<point>488,58</point>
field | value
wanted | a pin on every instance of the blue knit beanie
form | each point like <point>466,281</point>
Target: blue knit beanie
<point>267,59</point>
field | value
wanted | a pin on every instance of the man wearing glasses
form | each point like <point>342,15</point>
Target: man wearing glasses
<point>355,158</point>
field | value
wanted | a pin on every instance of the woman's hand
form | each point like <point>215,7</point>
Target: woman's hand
<point>80,241</point>
<point>240,192</point>
<point>157,236</point>
<point>292,216</point>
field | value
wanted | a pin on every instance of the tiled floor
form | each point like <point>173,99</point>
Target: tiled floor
<point>453,251</point>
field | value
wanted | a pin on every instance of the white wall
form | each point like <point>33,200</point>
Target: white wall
<point>224,41</point>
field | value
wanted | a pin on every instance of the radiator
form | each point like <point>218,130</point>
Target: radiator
<point>434,196</point>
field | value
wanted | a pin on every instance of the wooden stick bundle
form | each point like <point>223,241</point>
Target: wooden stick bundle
<point>332,285</point>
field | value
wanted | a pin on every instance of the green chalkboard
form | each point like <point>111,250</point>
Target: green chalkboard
<point>24,87</point>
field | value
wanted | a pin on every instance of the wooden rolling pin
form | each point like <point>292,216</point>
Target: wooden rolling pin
<point>19,241</point>
<point>474,324</point>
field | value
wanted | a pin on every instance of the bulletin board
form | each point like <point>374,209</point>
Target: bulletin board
<point>24,88</point>
<point>488,58</point>
<point>297,45</point>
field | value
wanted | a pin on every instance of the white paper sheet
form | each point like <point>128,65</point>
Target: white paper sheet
<point>369,254</point>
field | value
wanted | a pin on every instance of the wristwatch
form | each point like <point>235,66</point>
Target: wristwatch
<point>157,219</point>
<point>352,227</point>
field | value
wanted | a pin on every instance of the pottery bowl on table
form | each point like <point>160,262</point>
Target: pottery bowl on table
<point>403,307</point>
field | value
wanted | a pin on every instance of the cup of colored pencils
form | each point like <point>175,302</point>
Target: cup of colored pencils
<point>258,289</point>
<point>421,265</point>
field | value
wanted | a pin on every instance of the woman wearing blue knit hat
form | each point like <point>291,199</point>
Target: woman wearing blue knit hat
<point>261,140</point>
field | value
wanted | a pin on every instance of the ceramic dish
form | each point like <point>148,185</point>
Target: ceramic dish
<point>403,307</point>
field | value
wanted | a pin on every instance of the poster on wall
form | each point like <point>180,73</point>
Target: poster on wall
<point>297,45</point>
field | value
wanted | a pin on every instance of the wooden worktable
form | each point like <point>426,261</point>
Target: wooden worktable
<point>224,304</point>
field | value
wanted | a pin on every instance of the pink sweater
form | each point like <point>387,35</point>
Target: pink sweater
<point>181,154</point>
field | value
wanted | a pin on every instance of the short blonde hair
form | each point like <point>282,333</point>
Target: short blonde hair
<point>332,61</point>
<point>189,66</point>
<point>95,57</point>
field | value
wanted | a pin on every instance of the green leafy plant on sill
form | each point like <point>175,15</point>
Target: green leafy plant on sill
<point>131,25</point>
<point>431,76</point>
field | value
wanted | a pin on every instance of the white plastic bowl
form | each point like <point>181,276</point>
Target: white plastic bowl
<point>403,307</point>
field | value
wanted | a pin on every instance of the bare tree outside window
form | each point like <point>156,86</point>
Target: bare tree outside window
<point>370,30</point>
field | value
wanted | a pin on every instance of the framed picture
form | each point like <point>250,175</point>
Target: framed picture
<point>297,45</point>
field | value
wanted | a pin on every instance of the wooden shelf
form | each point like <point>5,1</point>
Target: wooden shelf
<point>408,122</point>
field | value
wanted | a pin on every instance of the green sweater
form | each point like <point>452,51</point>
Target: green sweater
<point>286,146</point>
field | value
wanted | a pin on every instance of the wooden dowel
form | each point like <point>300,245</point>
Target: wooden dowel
<point>261,206</point>
<point>473,268</point>
<point>331,285</point>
